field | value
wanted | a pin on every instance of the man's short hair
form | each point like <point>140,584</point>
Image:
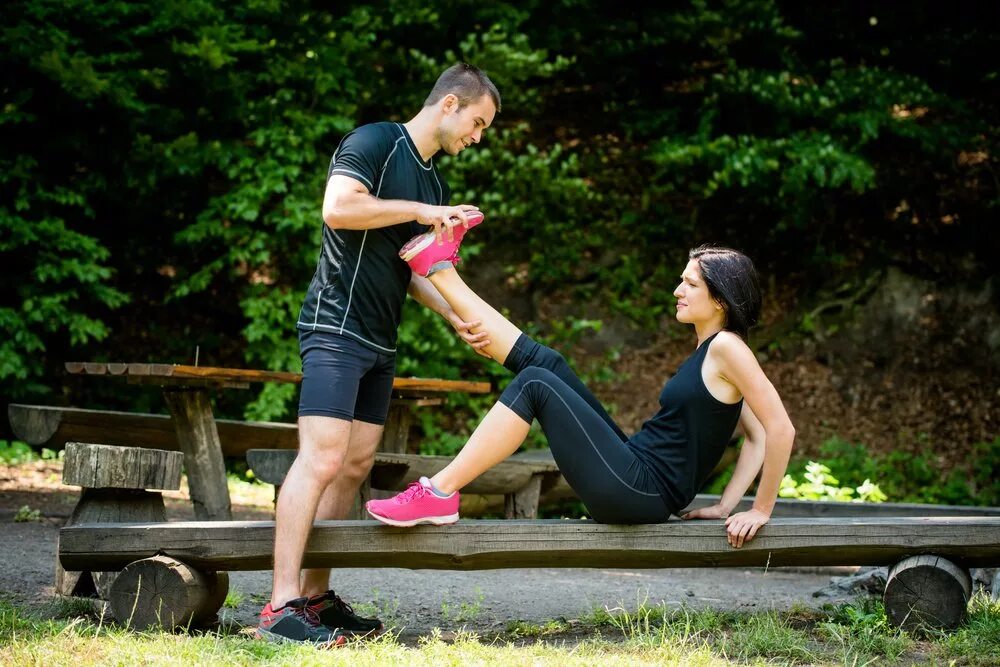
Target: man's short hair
<point>467,83</point>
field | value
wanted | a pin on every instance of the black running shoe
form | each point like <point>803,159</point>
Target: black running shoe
<point>297,623</point>
<point>335,613</point>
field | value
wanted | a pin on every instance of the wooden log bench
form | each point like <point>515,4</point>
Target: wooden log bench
<point>928,585</point>
<point>115,483</point>
<point>159,573</point>
<point>53,427</point>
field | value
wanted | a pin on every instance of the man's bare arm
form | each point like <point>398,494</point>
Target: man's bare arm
<point>348,204</point>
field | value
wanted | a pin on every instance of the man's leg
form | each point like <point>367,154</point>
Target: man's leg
<point>339,496</point>
<point>323,446</point>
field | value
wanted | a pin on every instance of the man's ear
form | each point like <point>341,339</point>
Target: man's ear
<point>449,103</point>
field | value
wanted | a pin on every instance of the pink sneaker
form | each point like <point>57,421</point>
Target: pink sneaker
<point>422,251</point>
<point>418,504</point>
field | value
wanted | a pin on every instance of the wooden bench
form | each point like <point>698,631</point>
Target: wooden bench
<point>53,427</point>
<point>115,483</point>
<point>929,580</point>
<point>170,572</point>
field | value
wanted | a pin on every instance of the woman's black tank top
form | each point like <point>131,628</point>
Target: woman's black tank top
<point>682,443</point>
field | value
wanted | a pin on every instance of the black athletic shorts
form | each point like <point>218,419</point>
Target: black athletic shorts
<point>344,379</point>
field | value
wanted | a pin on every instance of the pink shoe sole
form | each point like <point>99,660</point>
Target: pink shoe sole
<point>435,520</point>
<point>421,242</point>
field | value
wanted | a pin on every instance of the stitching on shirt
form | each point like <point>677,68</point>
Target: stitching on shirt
<point>361,250</point>
<point>352,173</point>
<point>419,161</point>
<point>337,330</point>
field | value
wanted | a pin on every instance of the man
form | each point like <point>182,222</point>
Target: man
<point>382,189</point>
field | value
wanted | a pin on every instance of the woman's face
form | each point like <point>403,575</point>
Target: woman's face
<point>694,303</point>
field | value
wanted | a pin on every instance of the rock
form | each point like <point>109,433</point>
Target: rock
<point>986,578</point>
<point>870,581</point>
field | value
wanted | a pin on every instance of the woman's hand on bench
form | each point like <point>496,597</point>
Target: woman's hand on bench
<point>742,527</point>
<point>717,511</point>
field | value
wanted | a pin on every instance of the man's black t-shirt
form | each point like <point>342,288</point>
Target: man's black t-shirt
<point>360,283</point>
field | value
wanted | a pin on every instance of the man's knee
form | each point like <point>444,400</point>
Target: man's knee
<point>323,467</point>
<point>322,452</point>
<point>356,469</point>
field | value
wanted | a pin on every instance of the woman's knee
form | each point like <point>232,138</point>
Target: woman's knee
<point>531,375</point>
<point>546,357</point>
<point>535,373</point>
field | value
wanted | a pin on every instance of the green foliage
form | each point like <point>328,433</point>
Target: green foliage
<point>977,642</point>
<point>15,452</point>
<point>819,484</point>
<point>909,477</point>
<point>463,612</point>
<point>234,597</point>
<point>25,514</point>
<point>162,164</point>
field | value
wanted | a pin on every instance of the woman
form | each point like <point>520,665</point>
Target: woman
<point>656,472</point>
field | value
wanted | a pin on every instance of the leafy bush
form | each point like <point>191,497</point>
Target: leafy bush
<point>819,484</point>
<point>15,452</point>
<point>908,477</point>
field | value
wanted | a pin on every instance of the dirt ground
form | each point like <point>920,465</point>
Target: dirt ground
<point>412,601</point>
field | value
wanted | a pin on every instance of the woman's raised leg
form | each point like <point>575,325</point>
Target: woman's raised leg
<point>504,335</point>
<point>469,306</point>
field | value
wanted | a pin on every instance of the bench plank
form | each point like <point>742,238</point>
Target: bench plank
<point>54,427</point>
<point>178,373</point>
<point>477,545</point>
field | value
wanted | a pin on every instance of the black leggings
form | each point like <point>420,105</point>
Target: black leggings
<point>591,451</point>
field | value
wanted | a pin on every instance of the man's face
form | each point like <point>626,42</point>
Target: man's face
<point>460,128</point>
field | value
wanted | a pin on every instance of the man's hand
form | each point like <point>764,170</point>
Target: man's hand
<point>712,512</point>
<point>475,340</point>
<point>742,527</point>
<point>440,218</point>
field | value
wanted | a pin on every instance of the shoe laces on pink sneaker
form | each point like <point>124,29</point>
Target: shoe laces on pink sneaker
<point>414,491</point>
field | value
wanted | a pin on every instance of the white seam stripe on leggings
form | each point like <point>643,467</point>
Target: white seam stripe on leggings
<point>589,439</point>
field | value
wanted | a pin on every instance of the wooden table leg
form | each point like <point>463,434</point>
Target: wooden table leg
<point>523,503</point>
<point>395,437</point>
<point>198,438</point>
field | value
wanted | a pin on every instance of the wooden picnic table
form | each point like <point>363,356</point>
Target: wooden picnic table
<point>186,391</point>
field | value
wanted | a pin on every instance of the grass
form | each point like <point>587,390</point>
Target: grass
<point>463,611</point>
<point>978,641</point>
<point>25,513</point>
<point>68,631</point>
<point>386,610</point>
<point>234,597</point>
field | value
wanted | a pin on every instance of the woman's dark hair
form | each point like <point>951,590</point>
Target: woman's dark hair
<point>732,281</point>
